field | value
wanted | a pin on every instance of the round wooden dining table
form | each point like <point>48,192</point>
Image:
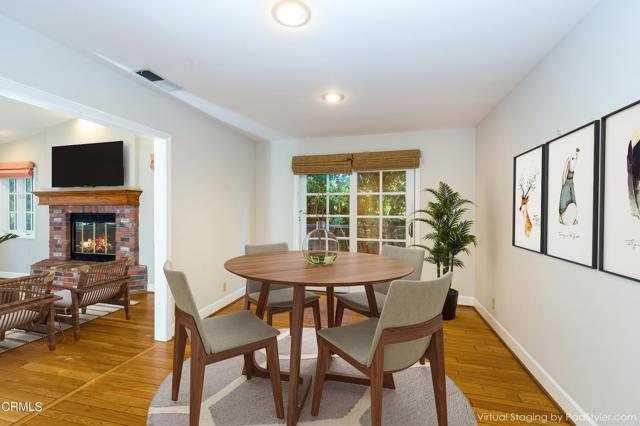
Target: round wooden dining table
<point>290,267</point>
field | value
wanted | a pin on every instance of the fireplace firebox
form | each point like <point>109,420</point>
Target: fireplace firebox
<point>93,236</point>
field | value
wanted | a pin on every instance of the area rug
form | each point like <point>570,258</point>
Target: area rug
<point>16,338</point>
<point>231,400</point>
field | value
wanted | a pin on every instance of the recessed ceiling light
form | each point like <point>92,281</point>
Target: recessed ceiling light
<point>291,13</point>
<point>333,97</point>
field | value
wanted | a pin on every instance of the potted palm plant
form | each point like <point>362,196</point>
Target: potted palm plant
<point>7,237</point>
<point>450,235</point>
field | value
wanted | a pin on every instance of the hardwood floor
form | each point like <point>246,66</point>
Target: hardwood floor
<point>109,377</point>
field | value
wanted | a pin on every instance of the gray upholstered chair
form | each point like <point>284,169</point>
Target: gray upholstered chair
<point>358,302</point>
<point>216,339</point>
<point>409,328</point>
<point>280,295</point>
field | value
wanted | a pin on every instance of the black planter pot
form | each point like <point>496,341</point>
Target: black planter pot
<point>450,305</point>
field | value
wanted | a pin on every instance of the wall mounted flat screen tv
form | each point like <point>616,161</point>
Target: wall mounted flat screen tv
<point>95,164</point>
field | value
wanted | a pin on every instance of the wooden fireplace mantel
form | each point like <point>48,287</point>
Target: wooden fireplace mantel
<point>89,197</point>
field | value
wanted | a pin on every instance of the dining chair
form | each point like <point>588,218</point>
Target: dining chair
<point>358,301</point>
<point>216,339</point>
<point>409,328</point>
<point>280,298</point>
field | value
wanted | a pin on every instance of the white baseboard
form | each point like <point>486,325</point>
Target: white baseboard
<point>568,404</point>
<point>226,300</point>
<point>466,300</point>
<point>4,274</point>
<point>151,287</point>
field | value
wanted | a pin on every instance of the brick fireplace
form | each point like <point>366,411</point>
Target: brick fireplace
<point>66,253</point>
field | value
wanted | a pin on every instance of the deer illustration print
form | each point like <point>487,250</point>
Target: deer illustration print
<point>526,187</point>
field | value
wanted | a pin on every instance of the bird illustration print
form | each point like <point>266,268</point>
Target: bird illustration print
<point>568,212</point>
<point>633,173</point>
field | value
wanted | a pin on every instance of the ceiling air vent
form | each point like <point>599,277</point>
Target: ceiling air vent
<point>155,79</point>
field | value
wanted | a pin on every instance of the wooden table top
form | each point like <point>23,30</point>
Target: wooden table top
<point>290,267</point>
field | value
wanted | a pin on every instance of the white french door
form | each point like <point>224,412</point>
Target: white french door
<point>364,210</point>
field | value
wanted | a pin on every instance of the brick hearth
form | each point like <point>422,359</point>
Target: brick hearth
<point>127,239</point>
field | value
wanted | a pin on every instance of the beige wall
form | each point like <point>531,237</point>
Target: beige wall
<point>447,155</point>
<point>212,178</point>
<point>578,324</point>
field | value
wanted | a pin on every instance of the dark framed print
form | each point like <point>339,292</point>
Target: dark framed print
<point>620,206</point>
<point>572,195</point>
<point>529,177</point>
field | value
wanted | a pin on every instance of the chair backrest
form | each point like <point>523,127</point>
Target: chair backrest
<point>409,303</point>
<point>24,299</point>
<point>106,277</point>
<point>183,297</point>
<point>254,286</point>
<point>413,256</point>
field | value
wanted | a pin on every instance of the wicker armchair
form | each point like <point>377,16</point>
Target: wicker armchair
<point>101,282</point>
<point>26,303</point>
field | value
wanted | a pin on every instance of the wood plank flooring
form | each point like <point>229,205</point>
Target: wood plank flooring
<point>109,377</point>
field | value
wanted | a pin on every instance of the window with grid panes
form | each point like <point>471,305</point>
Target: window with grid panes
<point>365,210</point>
<point>19,216</point>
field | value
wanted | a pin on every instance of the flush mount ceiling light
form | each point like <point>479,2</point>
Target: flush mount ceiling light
<point>333,97</point>
<point>291,13</point>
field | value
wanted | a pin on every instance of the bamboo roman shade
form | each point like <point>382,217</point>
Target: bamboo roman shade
<point>386,160</point>
<point>16,170</point>
<point>321,164</point>
<point>361,161</point>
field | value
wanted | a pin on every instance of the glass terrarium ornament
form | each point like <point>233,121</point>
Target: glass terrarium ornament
<point>320,247</point>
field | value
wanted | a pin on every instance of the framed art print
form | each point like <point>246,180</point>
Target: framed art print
<point>620,206</point>
<point>529,174</point>
<point>572,196</point>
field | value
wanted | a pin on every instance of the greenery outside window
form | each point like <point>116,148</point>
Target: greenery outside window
<point>19,214</point>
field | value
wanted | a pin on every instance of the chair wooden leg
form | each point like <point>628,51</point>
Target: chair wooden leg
<point>127,302</point>
<point>179,343</point>
<point>423,361</point>
<point>247,303</point>
<point>248,362</point>
<point>377,381</point>
<point>75,318</point>
<point>197,381</point>
<point>84,310</point>
<point>316,315</point>
<point>321,369</point>
<point>270,317</point>
<point>436,359</point>
<point>1,336</point>
<point>339,313</point>
<point>51,328</point>
<point>273,364</point>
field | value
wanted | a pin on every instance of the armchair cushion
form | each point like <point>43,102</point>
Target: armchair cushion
<point>234,330</point>
<point>359,301</point>
<point>354,339</point>
<point>283,298</point>
<point>65,302</point>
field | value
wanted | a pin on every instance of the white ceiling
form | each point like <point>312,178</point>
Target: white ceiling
<point>402,64</point>
<point>19,120</point>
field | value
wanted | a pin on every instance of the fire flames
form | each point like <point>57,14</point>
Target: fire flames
<point>97,245</point>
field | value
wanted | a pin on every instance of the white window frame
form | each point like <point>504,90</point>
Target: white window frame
<point>21,207</point>
<point>412,193</point>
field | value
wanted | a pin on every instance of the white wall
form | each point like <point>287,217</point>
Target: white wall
<point>212,203</point>
<point>19,255</point>
<point>580,325</point>
<point>447,155</point>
